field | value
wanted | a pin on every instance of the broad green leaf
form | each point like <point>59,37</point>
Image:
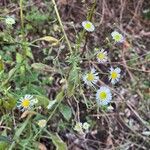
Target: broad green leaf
<point>65,111</point>
<point>9,103</point>
<point>60,96</point>
<point>42,100</point>
<point>19,58</point>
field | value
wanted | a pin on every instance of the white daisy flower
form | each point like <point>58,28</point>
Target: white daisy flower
<point>103,96</point>
<point>42,123</point>
<point>26,102</point>
<point>91,77</point>
<point>86,126</point>
<point>88,26</point>
<point>78,127</point>
<point>102,56</point>
<point>114,75</point>
<point>10,21</point>
<point>117,37</point>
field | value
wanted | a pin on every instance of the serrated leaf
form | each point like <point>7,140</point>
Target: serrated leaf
<point>42,67</point>
<point>73,80</point>
<point>74,75</point>
<point>29,53</point>
<point>65,111</point>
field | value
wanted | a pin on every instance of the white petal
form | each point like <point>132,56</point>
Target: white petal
<point>118,70</point>
<point>111,69</point>
<point>93,70</point>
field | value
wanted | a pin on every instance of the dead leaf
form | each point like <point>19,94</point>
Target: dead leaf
<point>42,146</point>
<point>126,44</point>
<point>49,39</point>
<point>26,113</point>
<point>63,2</point>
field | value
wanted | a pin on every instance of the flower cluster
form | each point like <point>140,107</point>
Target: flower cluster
<point>82,127</point>
<point>103,94</point>
<point>10,21</point>
<point>42,123</point>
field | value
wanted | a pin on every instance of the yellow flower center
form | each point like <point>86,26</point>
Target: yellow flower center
<point>101,56</point>
<point>88,26</point>
<point>117,37</point>
<point>114,75</point>
<point>25,103</point>
<point>102,95</point>
<point>90,77</point>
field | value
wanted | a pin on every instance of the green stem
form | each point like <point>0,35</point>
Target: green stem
<point>62,27</point>
<point>48,119</point>
<point>91,11</point>
<point>21,15</point>
<point>83,33</point>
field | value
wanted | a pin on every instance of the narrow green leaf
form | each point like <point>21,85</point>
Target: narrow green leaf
<point>70,89</point>
<point>4,138</point>
<point>60,96</point>
<point>51,103</point>
<point>65,111</point>
<point>20,130</point>
<point>57,141</point>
